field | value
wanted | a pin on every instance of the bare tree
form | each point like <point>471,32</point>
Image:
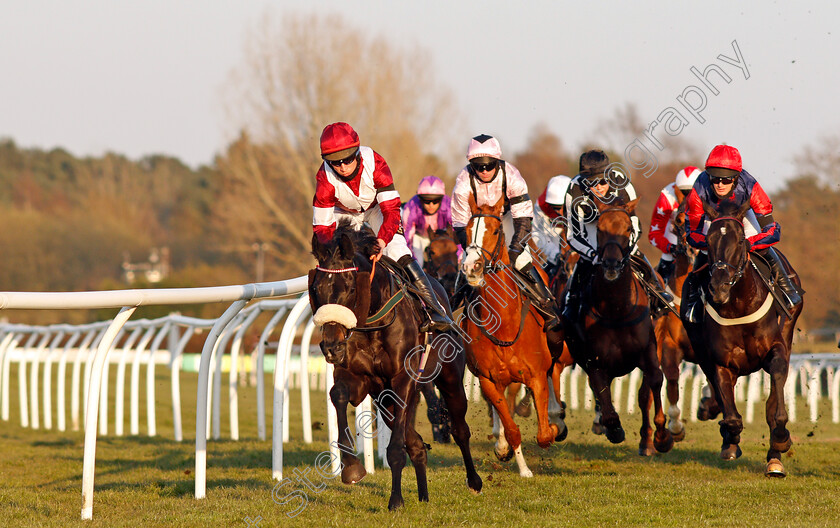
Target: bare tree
<point>298,75</point>
<point>822,160</point>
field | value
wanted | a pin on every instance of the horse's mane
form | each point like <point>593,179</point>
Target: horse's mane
<point>363,241</point>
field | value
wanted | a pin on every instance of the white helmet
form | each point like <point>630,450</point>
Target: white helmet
<point>686,177</point>
<point>555,191</point>
<point>484,146</point>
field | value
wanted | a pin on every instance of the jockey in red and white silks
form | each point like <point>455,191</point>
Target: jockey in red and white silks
<point>355,183</point>
<point>369,197</point>
<point>662,220</point>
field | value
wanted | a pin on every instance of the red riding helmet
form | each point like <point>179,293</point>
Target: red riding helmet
<point>725,157</point>
<point>338,141</point>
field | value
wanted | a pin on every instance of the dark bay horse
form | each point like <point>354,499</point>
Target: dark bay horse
<point>383,359</point>
<point>673,345</point>
<point>507,344</point>
<point>616,334</point>
<point>742,331</point>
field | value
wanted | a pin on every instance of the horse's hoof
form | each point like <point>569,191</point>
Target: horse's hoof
<point>526,473</point>
<point>679,437</point>
<point>395,503</point>
<point>474,483</point>
<point>353,473</point>
<point>562,435</point>
<point>615,436</point>
<point>775,469</point>
<point>664,442</point>
<point>523,409</point>
<point>730,452</point>
<point>504,457</point>
<point>598,429</point>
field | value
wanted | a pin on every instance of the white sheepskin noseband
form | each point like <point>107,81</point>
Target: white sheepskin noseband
<point>335,313</point>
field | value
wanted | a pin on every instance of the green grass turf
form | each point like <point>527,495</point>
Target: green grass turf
<point>584,481</point>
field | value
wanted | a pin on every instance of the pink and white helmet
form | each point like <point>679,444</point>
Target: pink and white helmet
<point>686,177</point>
<point>555,191</point>
<point>431,185</point>
<point>484,146</point>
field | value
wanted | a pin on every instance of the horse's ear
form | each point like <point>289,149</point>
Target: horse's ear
<point>500,205</point>
<point>362,297</point>
<point>473,203</point>
<point>710,211</point>
<point>679,194</point>
<point>345,246</point>
<point>739,214</point>
<point>318,249</point>
<point>430,232</point>
<point>631,206</point>
<point>450,231</point>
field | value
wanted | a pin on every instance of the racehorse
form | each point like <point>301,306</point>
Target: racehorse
<point>673,345</point>
<point>507,344</point>
<point>615,334</point>
<point>441,258</point>
<point>370,333</point>
<point>742,331</point>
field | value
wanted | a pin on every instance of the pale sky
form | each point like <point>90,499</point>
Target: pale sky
<point>146,77</point>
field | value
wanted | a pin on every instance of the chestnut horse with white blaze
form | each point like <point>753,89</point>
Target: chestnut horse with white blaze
<point>506,341</point>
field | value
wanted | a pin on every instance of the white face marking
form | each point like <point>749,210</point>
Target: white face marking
<point>723,230</point>
<point>473,252</point>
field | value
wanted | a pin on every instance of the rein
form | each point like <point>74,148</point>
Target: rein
<point>492,257</point>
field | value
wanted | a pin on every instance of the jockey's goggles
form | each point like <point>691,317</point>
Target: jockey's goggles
<point>431,199</point>
<point>346,161</point>
<point>484,167</point>
<point>595,183</point>
<point>718,180</point>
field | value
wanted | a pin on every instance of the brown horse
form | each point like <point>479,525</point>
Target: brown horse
<point>673,345</point>
<point>742,331</point>
<point>383,358</point>
<point>441,258</point>
<point>616,335</point>
<point>507,344</point>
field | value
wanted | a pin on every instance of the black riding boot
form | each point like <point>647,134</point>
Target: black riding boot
<point>543,300</point>
<point>692,304</point>
<point>781,277</point>
<point>439,320</point>
<point>665,268</point>
<point>580,277</point>
<point>657,306</point>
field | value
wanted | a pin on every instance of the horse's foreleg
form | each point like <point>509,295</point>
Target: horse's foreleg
<point>546,431</point>
<point>599,382</point>
<point>452,391</point>
<point>663,441</point>
<point>353,471</point>
<point>723,383</point>
<point>404,389</point>
<point>670,361</point>
<point>416,451</point>
<point>556,406</point>
<point>776,411</point>
<point>510,432</point>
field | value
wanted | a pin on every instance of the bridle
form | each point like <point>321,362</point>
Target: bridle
<point>625,250</point>
<point>737,272</point>
<point>489,257</point>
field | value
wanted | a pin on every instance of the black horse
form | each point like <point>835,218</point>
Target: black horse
<point>741,332</point>
<point>370,333</point>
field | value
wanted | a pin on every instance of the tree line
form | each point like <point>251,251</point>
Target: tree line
<point>68,221</point>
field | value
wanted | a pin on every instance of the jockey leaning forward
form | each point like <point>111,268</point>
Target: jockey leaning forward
<point>596,181</point>
<point>550,223</point>
<point>488,178</point>
<point>725,180</point>
<point>661,233</point>
<point>429,209</point>
<point>355,183</point>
